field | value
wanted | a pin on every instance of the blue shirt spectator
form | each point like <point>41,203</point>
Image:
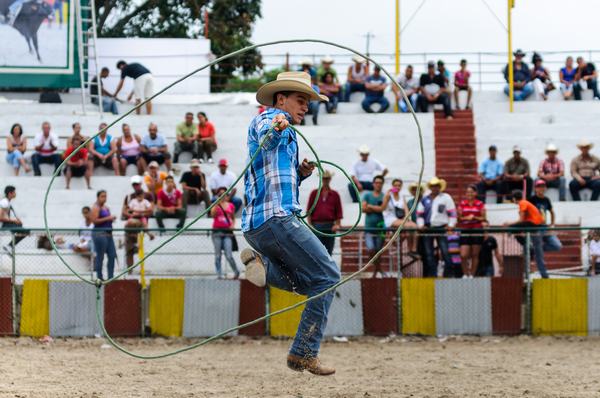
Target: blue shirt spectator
<point>374,87</point>
<point>491,168</point>
<point>490,172</point>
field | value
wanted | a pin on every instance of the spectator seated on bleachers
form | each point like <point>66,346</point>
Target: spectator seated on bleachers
<point>490,173</point>
<point>331,89</point>
<point>363,172</point>
<point>357,76</point>
<point>169,204</point>
<point>76,133</point>
<point>193,184</point>
<point>129,152</point>
<point>109,104</point>
<point>154,179</point>
<point>140,208</point>
<point>154,147</point>
<point>133,223</point>
<point>585,170</point>
<point>306,65</point>
<point>516,170</point>
<point>552,172</point>
<point>410,84</point>
<point>441,70</point>
<point>540,78</point>
<point>374,92</point>
<point>224,178</point>
<point>46,149</point>
<point>185,135</point>
<point>207,141</point>
<point>433,89</point>
<point>78,165</point>
<point>16,145</point>
<point>461,83</point>
<point>522,86</point>
<point>313,106</point>
<point>567,78</point>
<point>327,66</point>
<point>585,78</point>
<point>103,151</point>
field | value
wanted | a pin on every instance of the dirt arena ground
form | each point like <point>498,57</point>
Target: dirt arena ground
<point>367,367</point>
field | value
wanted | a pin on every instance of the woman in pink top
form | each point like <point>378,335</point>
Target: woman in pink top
<point>461,83</point>
<point>207,142</point>
<point>223,215</point>
<point>128,149</point>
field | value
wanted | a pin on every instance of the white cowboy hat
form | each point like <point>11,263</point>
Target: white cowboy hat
<point>551,148</point>
<point>327,59</point>
<point>364,150</point>
<point>305,61</point>
<point>583,143</point>
<point>437,181</point>
<point>358,59</point>
<point>288,81</point>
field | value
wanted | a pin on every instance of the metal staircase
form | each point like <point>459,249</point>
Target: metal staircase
<point>85,12</point>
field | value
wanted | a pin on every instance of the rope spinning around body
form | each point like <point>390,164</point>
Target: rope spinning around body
<point>98,283</point>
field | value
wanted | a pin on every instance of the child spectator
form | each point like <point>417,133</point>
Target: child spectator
<point>567,79</point>
<point>331,90</point>
<point>16,145</point>
<point>207,142</point>
<point>489,250</point>
<point>141,208</point>
<point>461,83</point>
<point>78,165</point>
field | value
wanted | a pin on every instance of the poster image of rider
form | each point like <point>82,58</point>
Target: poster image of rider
<point>36,34</point>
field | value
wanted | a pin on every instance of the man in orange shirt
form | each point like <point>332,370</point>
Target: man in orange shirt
<point>530,217</point>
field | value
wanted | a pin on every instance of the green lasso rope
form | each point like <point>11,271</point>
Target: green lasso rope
<point>98,283</point>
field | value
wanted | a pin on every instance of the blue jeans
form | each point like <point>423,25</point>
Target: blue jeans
<point>313,109</point>
<point>373,241</point>
<point>14,158</point>
<point>541,242</point>
<point>382,101</point>
<point>223,243</point>
<point>110,105</point>
<point>37,159</point>
<point>367,186</point>
<point>520,95</point>
<point>104,244</point>
<point>561,184</point>
<point>350,88</point>
<point>575,187</point>
<point>430,262</point>
<point>331,106</point>
<point>413,101</point>
<point>297,261</point>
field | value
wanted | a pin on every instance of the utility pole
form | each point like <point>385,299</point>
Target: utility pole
<point>511,75</point>
<point>369,35</point>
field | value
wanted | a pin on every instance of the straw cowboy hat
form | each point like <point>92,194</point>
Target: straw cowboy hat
<point>551,148</point>
<point>437,181</point>
<point>358,59</point>
<point>414,185</point>
<point>305,61</point>
<point>364,150</point>
<point>584,144</point>
<point>328,174</point>
<point>327,60</point>
<point>288,81</point>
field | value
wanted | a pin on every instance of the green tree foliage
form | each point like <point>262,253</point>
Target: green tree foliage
<point>230,27</point>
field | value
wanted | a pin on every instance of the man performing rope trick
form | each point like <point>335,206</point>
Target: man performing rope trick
<point>286,254</point>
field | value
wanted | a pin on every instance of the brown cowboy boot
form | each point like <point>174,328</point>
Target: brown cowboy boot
<point>313,365</point>
<point>255,268</point>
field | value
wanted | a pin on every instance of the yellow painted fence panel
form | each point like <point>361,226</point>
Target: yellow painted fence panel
<point>285,324</point>
<point>418,306</point>
<point>35,310</point>
<point>166,306</point>
<point>560,306</point>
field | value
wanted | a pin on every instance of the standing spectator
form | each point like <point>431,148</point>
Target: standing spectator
<point>412,190</point>
<point>489,250</point>
<point>207,141</point>
<point>78,165</point>
<point>363,172</point>
<point>9,219</point>
<point>109,104</point>
<point>102,236</point>
<point>16,145</point>
<point>128,150</point>
<point>154,179</point>
<point>223,215</point>
<point>567,78</point>
<point>306,65</point>
<point>521,77</point>
<point>490,173</point>
<point>471,215</point>
<point>374,236</point>
<point>433,89</point>
<point>552,171</point>
<point>46,146</point>
<point>461,83</point>
<point>357,76</point>
<point>143,83</point>
<point>436,215</point>
<point>544,205</point>
<point>410,84</point>
<point>530,217</point>
<point>103,151</point>
<point>586,77</point>
<point>328,212</point>
<point>133,225</point>
<point>185,134</point>
<point>331,90</point>
<point>224,178</point>
<point>585,170</point>
<point>76,127</point>
<point>154,147</point>
<point>374,92</point>
<point>516,171</point>
<point>193,183</point>
<point>169,204</point>
<point>540,78</point>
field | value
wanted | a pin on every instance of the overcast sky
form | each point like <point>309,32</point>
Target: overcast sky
<point>440,25</point>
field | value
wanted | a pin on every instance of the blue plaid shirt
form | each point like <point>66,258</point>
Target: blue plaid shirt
<point>272,181</point>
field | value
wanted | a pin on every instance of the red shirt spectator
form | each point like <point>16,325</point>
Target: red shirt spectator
<point>81,155</point>
<point>207,131</point>
<point>530,213</point>
<point>169,199</point>
<point>328,209</point>
<point>476,209</point>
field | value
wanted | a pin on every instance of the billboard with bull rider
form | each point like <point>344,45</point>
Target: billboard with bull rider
<point>37,36</point>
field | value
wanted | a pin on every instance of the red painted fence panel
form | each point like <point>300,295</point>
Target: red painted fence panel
<point>6,314</point>
<point>123,308</point>
<point>507,298</point>
<point>252,306</point>
<point>380,306</point>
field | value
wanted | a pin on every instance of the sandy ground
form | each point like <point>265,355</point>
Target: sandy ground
<point>368,367</point>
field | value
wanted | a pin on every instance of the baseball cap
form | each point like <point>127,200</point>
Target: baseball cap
<point>194,163</point>
<point>136,179</point>
<point>493,148</point>
<point>540,182</point>
<point>223,162</point>
<point>517,148</point>
<point>153,164</point>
